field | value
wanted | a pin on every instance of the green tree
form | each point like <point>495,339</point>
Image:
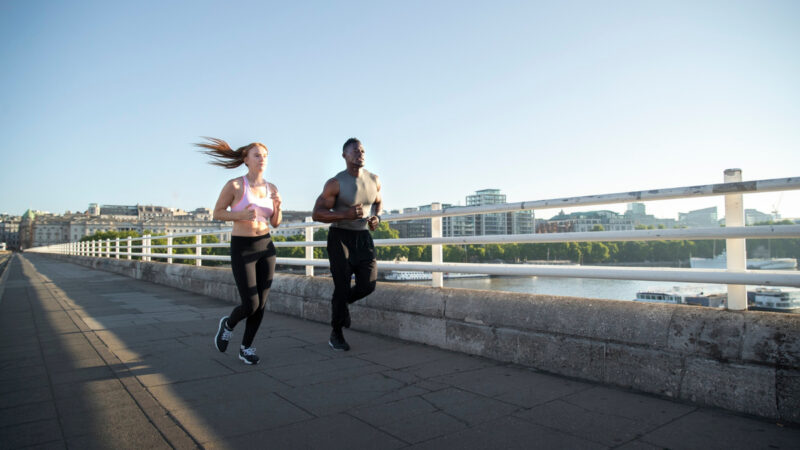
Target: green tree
<point>453,253</point>
<point>511,252</point>
<point>321,234</point>
<point>388,253</point>
<point>494,251</point>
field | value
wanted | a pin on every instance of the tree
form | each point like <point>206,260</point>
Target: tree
<point>388,253</point>
<point>291,252</point>
<point>511,252</point>
<point>453,253</point>
<point>494,251</point>
<point>321,234</point>
<point>597,252</point>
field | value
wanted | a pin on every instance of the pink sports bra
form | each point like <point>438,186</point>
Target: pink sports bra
<point>262,206</point>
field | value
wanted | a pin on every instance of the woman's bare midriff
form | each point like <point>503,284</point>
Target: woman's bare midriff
<point>249,228</point>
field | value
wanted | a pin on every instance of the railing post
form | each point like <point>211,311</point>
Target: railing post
<point>169,249</point>
<point>735,248</point>
<point>130,247</point>
<point>108,247</point>
<point>436,249</point>
<point>198,239</point>
<point>92,253</point>
<point>146,247</point>
<point>116,248</point>
<point>309,249</point>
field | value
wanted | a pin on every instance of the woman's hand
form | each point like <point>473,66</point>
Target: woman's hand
<point>276,201</point>
<point>247,215</point>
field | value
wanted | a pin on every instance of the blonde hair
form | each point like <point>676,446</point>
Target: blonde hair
<point>224,155</point>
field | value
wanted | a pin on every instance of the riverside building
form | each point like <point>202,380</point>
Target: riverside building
<point>38,228</point>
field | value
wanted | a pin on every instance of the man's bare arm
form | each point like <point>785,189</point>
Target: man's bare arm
<point>374,220</point>
<point>325,202</point>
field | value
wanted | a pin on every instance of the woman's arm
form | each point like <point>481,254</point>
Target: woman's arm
<point>225,200</point>
<point>277,215</point>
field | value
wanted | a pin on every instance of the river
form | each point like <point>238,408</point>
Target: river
<point>574,287</point>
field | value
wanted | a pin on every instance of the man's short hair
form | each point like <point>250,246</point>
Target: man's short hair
<point>348,142</point>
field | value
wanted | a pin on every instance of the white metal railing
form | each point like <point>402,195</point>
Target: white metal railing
<point>736,276</point>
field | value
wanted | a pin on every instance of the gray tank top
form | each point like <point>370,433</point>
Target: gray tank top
<point>353,191</point>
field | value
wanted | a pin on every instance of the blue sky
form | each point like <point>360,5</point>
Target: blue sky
<point>100,101</point>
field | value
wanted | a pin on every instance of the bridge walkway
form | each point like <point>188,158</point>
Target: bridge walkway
<point>90,359</point>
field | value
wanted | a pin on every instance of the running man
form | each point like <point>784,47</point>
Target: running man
<point>350,202</point>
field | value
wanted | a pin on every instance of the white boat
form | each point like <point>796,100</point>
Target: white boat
<point>411,275</point>
<point>684,296</point>
<point>774,299</point>
<point>720,262</point>
<point>407,275</point>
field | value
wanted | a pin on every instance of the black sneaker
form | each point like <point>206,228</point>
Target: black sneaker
<point>223,335</point>
<point>337,341</point>
<point>248,355</point>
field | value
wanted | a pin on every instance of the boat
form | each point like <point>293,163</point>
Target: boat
<point>407,275</point>
<point>683,296</point>
<point>786,300</point>
<point>774,299</point>
<point>720,262</point>
<point>412,275</point>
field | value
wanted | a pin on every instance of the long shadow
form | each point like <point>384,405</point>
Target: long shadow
<point>108,343</point>
<point>57,388</point>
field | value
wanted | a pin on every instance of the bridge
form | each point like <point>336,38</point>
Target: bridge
<point>95,359</point>
<point>109,347</point>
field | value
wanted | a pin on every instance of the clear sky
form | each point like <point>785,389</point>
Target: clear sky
<point>100,101</point>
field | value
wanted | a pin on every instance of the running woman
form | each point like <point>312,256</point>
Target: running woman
<point>255,205</point>
<point>350,202</point>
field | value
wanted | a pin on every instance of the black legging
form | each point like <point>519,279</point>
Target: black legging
<point>253,265</point>
<point>350,253</point>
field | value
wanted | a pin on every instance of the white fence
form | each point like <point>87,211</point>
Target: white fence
<point>736,276</point>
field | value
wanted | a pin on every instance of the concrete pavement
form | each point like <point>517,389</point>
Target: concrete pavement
<point>90,359</point>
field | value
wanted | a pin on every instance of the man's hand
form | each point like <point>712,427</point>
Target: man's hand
<point>373,222</point>
<point>356,212</point>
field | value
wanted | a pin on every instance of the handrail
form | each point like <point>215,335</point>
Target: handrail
<point>735,233</point>
<point>708,190</point>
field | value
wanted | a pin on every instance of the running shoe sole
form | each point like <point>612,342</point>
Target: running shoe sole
<point>336,349</point>
<point>219,331</point>
<point>246,361</point>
